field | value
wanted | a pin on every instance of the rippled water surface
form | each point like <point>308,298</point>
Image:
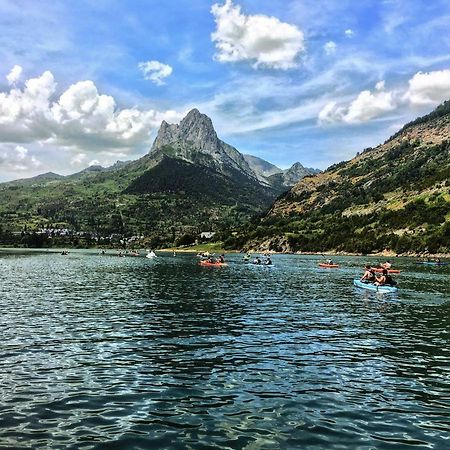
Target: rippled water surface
<point>129,353</point>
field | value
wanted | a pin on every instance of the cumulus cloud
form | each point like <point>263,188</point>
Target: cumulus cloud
<point>81,118</point>
<point>80,159</point>
<point>367,105</point>
<point>349,33</point>
<point>155,71</point>
<point>263,40</point>
<point>14,75</point>
<point>17,159</point>
<point>330,47</point>
<point>429,88</point>
<point>331,113</point>
<point>25,114</point>
<point>380,85</point>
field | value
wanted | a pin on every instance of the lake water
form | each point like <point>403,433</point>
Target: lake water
<point>129,353</point>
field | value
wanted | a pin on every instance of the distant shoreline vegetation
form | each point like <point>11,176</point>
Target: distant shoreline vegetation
<point>86,241</point>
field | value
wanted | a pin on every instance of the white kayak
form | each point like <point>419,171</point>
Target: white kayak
<point>373,287</point>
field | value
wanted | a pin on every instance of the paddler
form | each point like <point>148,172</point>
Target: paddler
<point>369,275</point>
<point>385,279</point>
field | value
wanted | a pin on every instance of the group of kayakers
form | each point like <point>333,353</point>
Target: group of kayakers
<point>208,258</point>
<point>383,279</point>
<point>264,260</point>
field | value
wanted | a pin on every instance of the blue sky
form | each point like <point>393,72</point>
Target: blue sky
<point>313,81</point>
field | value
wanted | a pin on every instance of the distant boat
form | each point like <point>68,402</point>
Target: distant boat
<point>432,263</point>
<point>151,254</point>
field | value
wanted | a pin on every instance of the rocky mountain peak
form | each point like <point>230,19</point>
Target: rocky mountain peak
<point>195,140</point>
<point>198,129</point>
<point>296,167</point>
<point>195,130</point>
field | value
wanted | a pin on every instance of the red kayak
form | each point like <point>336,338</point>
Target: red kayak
<point>210,264</point>
<point>380,270</point>
<point>329,266</point>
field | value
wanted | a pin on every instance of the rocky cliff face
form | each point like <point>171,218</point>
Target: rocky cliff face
<point>262,167</point>
<point>297,172</point>
<point>195,140</point>
<point>274,176</point>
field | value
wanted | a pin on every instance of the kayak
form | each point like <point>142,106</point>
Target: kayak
<point>329,266</point>
<point>432,263</point>
<point>372,287</point>
<point>380,270</point>
<point>210,264</point>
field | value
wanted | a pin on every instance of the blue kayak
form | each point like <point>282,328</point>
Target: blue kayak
<point>372,287</point>
<point>432,263</point>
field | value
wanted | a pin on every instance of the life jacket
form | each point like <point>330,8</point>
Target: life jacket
<point>390,281</point>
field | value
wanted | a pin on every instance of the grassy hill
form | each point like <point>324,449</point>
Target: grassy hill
<point>163,199</point>
<point>393,197</point>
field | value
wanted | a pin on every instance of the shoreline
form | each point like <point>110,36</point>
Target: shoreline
<point>387,255</point>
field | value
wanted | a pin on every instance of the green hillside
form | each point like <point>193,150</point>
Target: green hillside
<point>393,197</point>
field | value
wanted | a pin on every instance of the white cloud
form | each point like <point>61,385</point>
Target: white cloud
<point>367,105</point>
<point>83,160</point>
<point>349,33</point>
<point>25,114</point>
<point>17,159</point>
<point>380,85</point>
<point>264,40</point>
<point>331,113</point>
<point>14,75</point>
<point>330,47</point>
<point>429,88</point>
<point>80,119</point>
<point>80,159</point>
<point>155,71</point>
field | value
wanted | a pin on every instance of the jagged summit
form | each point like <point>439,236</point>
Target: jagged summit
<point>195,130</point>
<point>296,172</point>
<point>195,140</point>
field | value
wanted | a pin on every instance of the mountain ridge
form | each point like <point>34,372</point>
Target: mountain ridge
<point>394,197</point>
<point>189,180</point>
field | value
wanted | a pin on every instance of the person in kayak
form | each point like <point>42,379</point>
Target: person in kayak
<point>221,258</point>
<point>385,279</point>
<point>268,261</point>
<point>257,260</point>
<point>369,275</point>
